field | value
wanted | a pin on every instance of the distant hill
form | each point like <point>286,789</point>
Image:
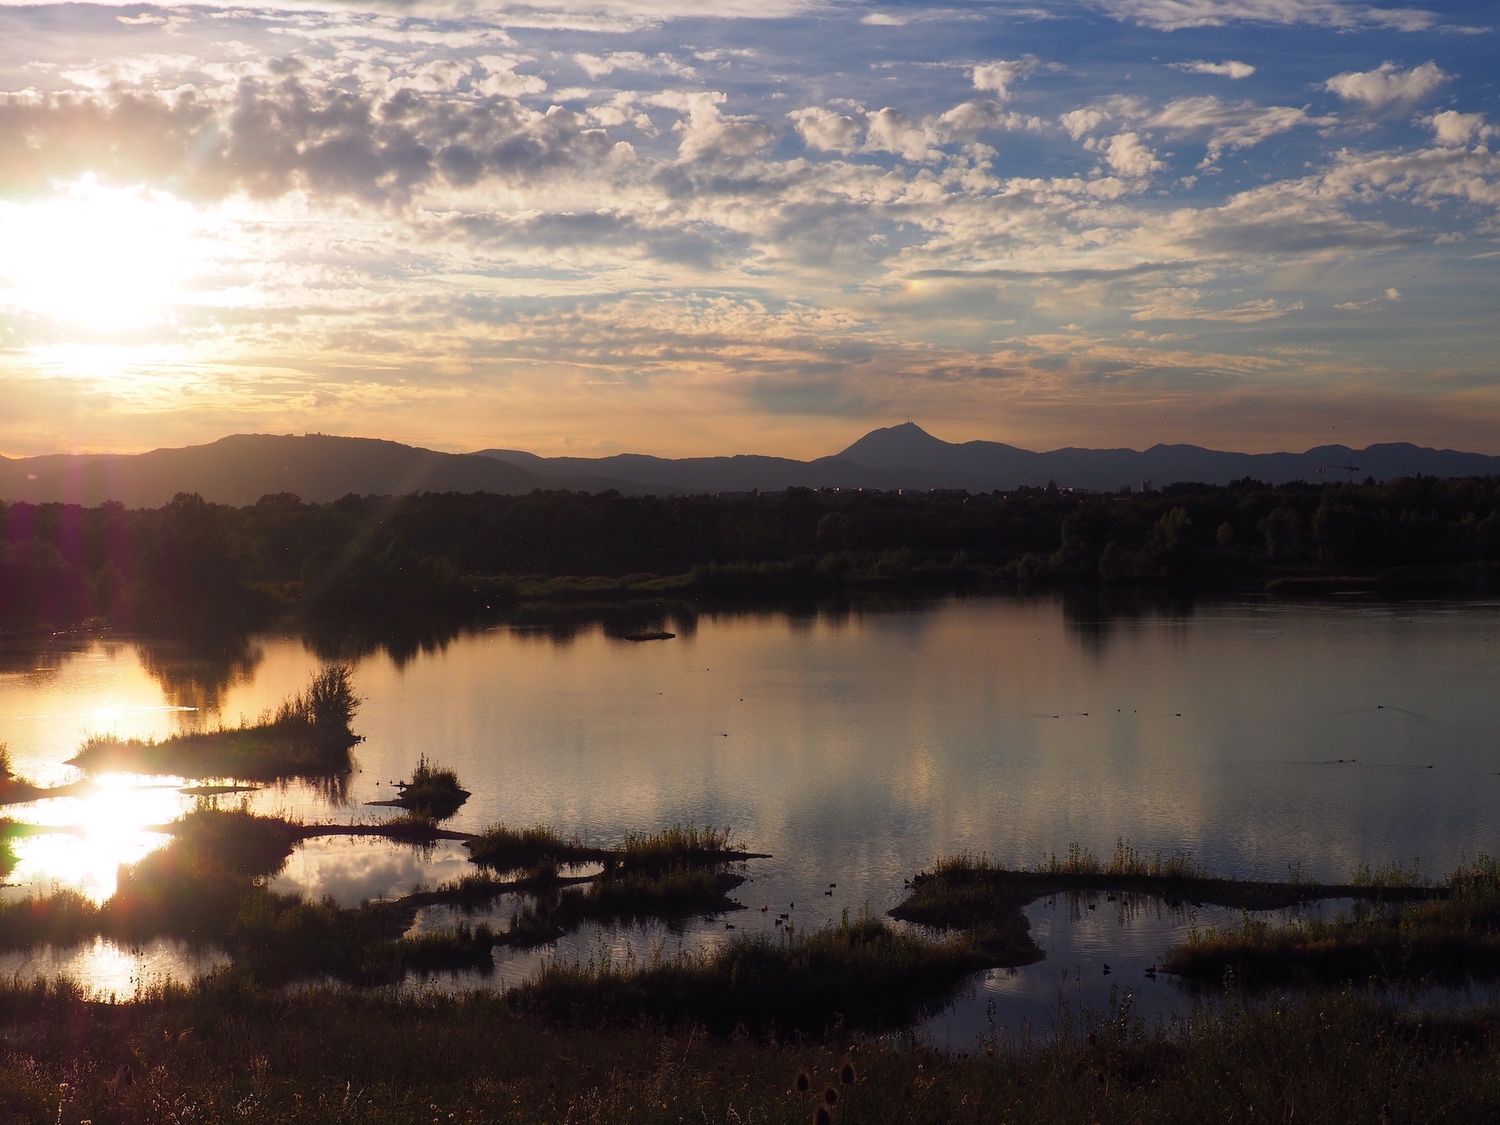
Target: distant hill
<point>242,468</point>
<point>907,456</point>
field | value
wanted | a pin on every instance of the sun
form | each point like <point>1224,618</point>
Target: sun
<point>99,260</point>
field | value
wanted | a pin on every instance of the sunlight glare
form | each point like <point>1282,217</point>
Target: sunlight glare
<point>101,258</point>
<point>110,824</point>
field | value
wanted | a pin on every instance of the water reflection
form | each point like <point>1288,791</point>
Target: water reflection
<point>856,743</point>
<point>110,971</point>
<point>354,869</point>
<point>102,826</point>
<point>195,677</point>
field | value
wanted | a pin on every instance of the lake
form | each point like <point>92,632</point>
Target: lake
<point>856,744</point>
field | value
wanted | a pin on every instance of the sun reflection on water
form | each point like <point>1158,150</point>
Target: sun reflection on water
<point>114,820</point>
<point>109,971</point>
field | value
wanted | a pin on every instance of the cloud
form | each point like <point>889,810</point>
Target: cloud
<point>598,66</point>
<point>1130,156</point>
<point>997,77</point>
<point>1387,84</point>
<point>1229,126</point>
<point>269,138</point>
<point>1182,304</point>
<point>1232,69</point>
<point>889,130</point>
<point>1175,15</point>
<point>827,130</point>
<point>1454,128</point>
<point>708,134</point>
<point>1081,122</point>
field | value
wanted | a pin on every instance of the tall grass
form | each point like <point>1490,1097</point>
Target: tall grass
<point>675,845</point>
<point>1127,861</point>
<point>856,973</point>
<point>308,735</point>
<point>1451,936</point>
<point>518,849</point>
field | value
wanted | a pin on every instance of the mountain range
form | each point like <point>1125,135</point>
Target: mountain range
<point>317,467</point>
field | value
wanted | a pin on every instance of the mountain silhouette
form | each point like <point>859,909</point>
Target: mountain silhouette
<point>242,468</point>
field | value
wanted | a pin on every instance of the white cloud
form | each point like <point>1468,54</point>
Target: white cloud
<point>708,133</point>
<point>1232,69</point>
<point>1387,84</point>
<point>890,130</point>
<point>1081,122</point>
<point>1393,294</point>
<point>1229,125</point>
<point>997,77</point>
<point>1130,156</point>
<point>827,130</point>
<point>597,66</point>
<point>1456,129</point>
<point>1174,15</point>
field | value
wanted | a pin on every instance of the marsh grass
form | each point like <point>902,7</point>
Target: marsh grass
<point>520,849</point>
<point>625,897</point>
<point>854,974</point>
<point>227,1050</point>
<point>433,791</point>
<point>1126,861</point>
<point>308,735</point>
<point>463,947</point>
<point>1450,936</point>
<point>676,846</point>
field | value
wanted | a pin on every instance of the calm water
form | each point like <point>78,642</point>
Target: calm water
<point>856,746</point>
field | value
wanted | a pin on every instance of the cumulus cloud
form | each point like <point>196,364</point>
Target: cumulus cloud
<point>999,76</point>
<point>268,138</point>
<point>1079,123</point>
<point>889,130</point>
<point>1454,128</point>
<point>1387,84</point>
<point>827,130</point>
<point>1232,69</point>
<point>599,66</point>
<point>707,133</point>
<point>1129,155</point>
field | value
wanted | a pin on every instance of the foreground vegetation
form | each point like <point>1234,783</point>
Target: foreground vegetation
<point>1451,937</point>
<point>228,1051</point>
<point>309,735</point>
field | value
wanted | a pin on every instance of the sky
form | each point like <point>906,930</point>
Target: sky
<point>596,226</point>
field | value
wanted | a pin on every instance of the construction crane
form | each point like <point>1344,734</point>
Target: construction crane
<point>1350,469</point>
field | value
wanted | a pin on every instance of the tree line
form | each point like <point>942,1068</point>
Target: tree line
<point>430,554</point>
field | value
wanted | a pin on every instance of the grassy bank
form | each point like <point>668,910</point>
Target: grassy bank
<point>856,974</point>
<point>1400,928</point>
<point>225,1052</point>
<point>1452,937</point>
<point>307,736</point>
<point>966,891</point>
<point>502,848</point>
